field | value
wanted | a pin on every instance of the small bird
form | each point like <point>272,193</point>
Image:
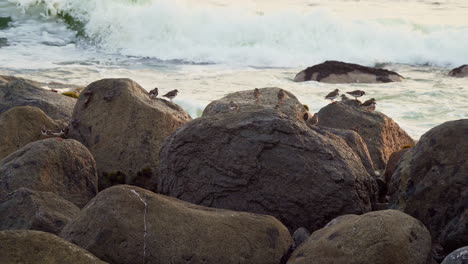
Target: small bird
<point>171,95</point>
<point>331,96</point>
<point>369,105</point>
<point>344,97</point>
<point>313,120</point>
<point>63,132</point>
<point>154,93</point>
<point>257,94</point>
<point>233,106</point>
<point>356,93</point>
<point>281,96</point>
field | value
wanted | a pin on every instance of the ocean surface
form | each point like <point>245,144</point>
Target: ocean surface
<point>208,48</point>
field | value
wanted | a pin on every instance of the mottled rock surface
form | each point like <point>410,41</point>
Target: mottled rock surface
<point>33,210</point>
<point>36,247</point>
<point>124,128</point>
<point>64,167</point>
<point>341,72</point>
<point>431,183</point>
<point>459,256</point>
<point>382,135</point>
<point>268,163</point>
<point>126,224</point>
<point>22,125</point>
<point>461,71</point>
<point>383,237</point>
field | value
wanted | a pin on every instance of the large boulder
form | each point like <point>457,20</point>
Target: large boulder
<point>22,125</point>
<point>459,256</point>
<point>431,183</point>
<point>382,135</point>
<point>127,224</point>
<point>33,210</point>
<point>21,92</point>
<point>268,163</point>
<point>341,72</point>
<point>269,99</point>
<point>392,164</point>
<point>124,130</point>
<point>461,71</point>
<point>36,247</point>
<point>383,237</point>
<point>64,167</point>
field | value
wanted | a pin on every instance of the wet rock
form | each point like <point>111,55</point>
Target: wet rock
<point>268,163</point>
<point>341,72</point>
<point>459,256</point>
<point>124,128</point>
<point>20,92</point>
<point>64,167</point>
<point>22,125</point>
<point>461,71</point>
<point>33,210</point>
<point>269,99</point>
<point>383,237</point>
<point>431,183</point>
<point>27,246</point>
<point>382,135</point>
<point>127,224</point>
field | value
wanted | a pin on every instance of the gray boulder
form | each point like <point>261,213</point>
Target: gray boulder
<point>459,256</point>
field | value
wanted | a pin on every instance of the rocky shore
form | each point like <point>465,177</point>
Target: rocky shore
<point>257,179</point>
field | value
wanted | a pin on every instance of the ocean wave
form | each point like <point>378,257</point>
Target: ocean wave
<point>204,33</point>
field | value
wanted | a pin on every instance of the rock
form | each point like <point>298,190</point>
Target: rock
<point>27,247</point>
<point>300,235</point>
<point>459,256</point>
<point>127,224</point>
<point>383,237</point>
<point>20,92</point>
<point>22,125</point>
<point>431,183</point>
<point>125,141</point>
<point>33,210</point>
<point>392,164</point>
<point>268,163</point>
<point>341,72</point>
<point>64,167</point>
<point>268,99</point>
<point>382,135</point>
<point>461,71</point>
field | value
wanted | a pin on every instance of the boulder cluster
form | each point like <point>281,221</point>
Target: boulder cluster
<point>255,179</point>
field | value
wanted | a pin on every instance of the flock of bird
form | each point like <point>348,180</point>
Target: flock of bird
<point>368,105</point>
<point>153,94</point>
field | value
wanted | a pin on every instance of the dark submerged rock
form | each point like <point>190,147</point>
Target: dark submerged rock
<point>461,71</point>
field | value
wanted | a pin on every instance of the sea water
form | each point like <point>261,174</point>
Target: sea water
<point>208,48</point>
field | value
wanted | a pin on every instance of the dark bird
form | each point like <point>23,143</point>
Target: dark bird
<point>233,106</point>
<point>369,105</point>
<point>313,120</point>
<point>257,94</point>
<point>154,93</point>
<point>344,97</point>
<point>356,93</point>
<point>281,96</point>
<point>171,95</point>
<point>331,96</point>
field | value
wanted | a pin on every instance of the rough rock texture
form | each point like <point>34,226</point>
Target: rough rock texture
<point>383,237</point>
<point>20,92</point>
<point>264,162</point>
<point>33,210</point>
<point>124,129</point>
<point>127,224</point>
<point>28,247</point>
<point>382,135</point>
<point>393,163</point>
<point>22,125</point>
<point>431,183</point>
<point>459,256</point>
<point>269,99</point>
<point>341,72</point>
<point>64,167</point>
<point>461,71</point>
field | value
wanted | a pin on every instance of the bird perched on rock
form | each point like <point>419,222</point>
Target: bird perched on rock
<point>369,105</point>
<point>233,106</point>
<point>344,97</point>
<point>171,95</point>
<point>313,120</point>
<point>257,95</point>
<point>356,93</point>
<point>331,96</point>
<point>62,133</point>
<point>154,93</point>
<point>281,96</point>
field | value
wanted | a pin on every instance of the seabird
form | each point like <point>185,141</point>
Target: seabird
<point>331,96</point>
<point>153,93</point>
<point>281,96</point>
<point>171,95</point>
<point>369,105</point>
<point>356,93</point>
